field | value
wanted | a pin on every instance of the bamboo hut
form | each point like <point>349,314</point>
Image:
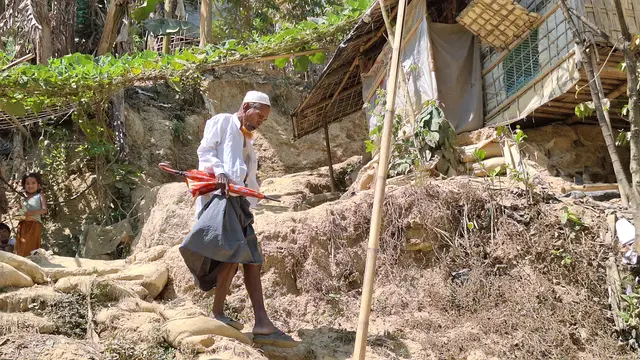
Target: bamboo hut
<point>521,62</point>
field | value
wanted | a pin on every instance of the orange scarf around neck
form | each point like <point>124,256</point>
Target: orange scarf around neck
<point>246,132</point>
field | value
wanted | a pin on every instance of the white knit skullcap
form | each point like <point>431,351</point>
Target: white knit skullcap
<point>257,97</point>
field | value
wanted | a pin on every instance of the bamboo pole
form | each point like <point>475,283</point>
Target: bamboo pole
<point>332,178</point>
<point>378,201</point>
<point>19,61</point>
<point>621,177</point>
<point>166,40</point>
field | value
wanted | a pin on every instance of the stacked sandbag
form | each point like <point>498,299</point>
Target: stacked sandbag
<point>198,332</point>
<point>17,271</point>
<point>58,267</point>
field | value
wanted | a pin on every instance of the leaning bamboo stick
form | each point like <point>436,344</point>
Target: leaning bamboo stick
<point>378,201</point>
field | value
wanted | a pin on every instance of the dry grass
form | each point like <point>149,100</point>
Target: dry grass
<point>515,298</point>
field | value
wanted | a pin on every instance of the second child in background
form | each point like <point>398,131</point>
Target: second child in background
<point>34,206</point>
<point>6,241</point>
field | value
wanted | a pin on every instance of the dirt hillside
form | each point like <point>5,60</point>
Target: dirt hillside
<point>443,291</point>
<point>465,270</point>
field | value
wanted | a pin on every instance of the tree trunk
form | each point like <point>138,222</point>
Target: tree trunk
<point>625,189</point>
<point>19,166</point>
<point>634,112</point>
<point>206,35</point>
<point>111,26</point>
<point>44,45</point>
<point>64,14</point>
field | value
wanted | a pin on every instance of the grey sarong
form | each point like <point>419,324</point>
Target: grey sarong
<point>223,233</point>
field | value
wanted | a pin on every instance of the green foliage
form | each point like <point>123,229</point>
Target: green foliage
<point>79,78</point>
<point>567,259</point>
<point>570,219</point>
<point>247,19</point>
<point>623,138</point>
<point>178,129</point>
<point>143,11</point>
<point>585,110</point>
<point>5,58</point>
<point>519,135</point>
<point>281,62</point>
<point>119,348</point>
<point>412,147</point>
<point>479,154</point>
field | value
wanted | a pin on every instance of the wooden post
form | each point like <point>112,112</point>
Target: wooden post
<point>205,23</point>
<point>334,187</point>
<point>378,201</point>
<point>166,42</point>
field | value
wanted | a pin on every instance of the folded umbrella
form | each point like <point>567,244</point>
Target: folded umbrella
<point>201,182</point>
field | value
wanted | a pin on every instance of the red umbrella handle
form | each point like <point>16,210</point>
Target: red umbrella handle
<point>165,167</point>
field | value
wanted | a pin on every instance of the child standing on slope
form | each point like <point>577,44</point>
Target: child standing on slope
<point>30,228</point>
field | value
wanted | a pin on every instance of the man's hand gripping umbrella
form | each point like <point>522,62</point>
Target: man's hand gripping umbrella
<point>201,183</point>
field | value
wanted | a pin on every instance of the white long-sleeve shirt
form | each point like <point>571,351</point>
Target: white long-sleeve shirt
<point>223,151</point>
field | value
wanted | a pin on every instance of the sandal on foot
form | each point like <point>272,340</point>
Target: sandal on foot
<point>229,321</point>
<point>276,339</point>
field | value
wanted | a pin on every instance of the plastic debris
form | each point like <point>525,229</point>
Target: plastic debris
<point>630,257</point>
<point>625,231</point>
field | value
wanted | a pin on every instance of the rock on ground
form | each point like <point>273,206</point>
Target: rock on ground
<point>103,240</point>
<point>169,219</point>
<point>153,277</point>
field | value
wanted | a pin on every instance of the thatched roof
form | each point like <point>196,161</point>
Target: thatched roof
<point>338,92</point>
<point>342,73</point>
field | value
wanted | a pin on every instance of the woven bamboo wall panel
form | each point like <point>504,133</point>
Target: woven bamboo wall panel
<point>603,14</point>
<point>7,122</point>
<point>497,22</point>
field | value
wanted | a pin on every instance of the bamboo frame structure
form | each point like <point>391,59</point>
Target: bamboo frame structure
<point>381,180</point>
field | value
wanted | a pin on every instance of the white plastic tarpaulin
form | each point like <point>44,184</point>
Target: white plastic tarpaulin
<point>456,82</point>
<point>456,54</point>
<point>415,63</point>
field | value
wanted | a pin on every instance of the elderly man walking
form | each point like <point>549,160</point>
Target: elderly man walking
<point>223,235</point>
